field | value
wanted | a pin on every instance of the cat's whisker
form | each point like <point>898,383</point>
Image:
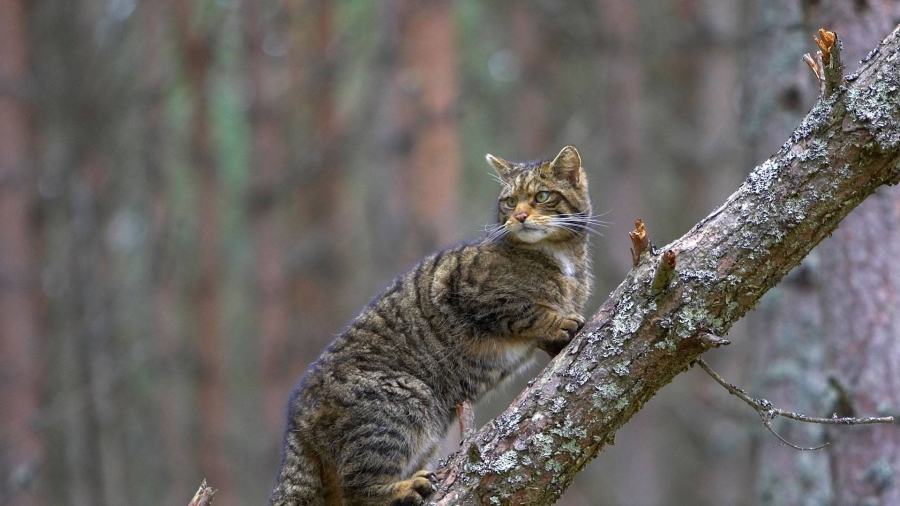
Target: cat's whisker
<point>583,217</point>
<point>573,227</point>
<point>495,232</point>
<point>498,179</point>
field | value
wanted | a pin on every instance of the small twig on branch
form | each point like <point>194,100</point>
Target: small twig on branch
<point>203,497</point>
<point>639,240</point>
<point>712,341</point>
<point>827,64</point>
<point>466,416</point>
<point>767,412</point>
<point>664,270</point>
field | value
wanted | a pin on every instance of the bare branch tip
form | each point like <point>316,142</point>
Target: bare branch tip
<point>825,41</point>
<point>639,241</point>
<point>784,441</point>
<point>813,65</point>
<point>712,340</point>
<point>204,495</point>
<point>827,63</point>
<point>669,257</point>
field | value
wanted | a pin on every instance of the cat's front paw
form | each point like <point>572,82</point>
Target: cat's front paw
<point>414,491</point>
<point>568,327</point>
<point>571,324</point>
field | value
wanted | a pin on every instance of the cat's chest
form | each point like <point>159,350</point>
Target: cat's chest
<point>571,272</point>
<point>564,261</point>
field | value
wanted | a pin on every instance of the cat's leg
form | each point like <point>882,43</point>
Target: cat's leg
<point>300,476</point>
<point>374,486</point>
<point>551,330</point>
<point>373,466</point>
<point>560,333</point>
<point>413,491</point>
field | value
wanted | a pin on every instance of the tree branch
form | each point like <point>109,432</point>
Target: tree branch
<point>638,341</point>
<point>767,412</point>
<point>771,411</point>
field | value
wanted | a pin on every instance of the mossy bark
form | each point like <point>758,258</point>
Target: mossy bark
<point>640,339</point>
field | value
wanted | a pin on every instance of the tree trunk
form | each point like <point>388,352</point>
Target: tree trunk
<point>21,445</point>
<point>623,122</point>
<point>788,366</point>
<point>642,337</point>
<point>268,165</point>
<point>432,174</point>
<point>210,351</point>
<point>809,325</point>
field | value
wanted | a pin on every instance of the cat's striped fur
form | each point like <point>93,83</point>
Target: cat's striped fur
<point>366,420</point>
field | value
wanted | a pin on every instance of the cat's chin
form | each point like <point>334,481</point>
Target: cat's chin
<point>530,235</point>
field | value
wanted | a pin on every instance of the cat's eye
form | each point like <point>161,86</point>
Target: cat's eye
<point>510,202</point>
<point>542,196</point>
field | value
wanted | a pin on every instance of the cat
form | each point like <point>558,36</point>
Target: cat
<point>366,420</point>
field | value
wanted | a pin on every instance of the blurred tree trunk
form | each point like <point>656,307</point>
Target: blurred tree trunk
<point>828,333</point>
<point>173,384</point>
<point>211,352</point>
<point>624,97</point>
<point>430,181</point>
<point>859,293</point>
<point>417,124</point>
<point>861,324</point>
<point>533,102</point>
<point>315,203</point>
<point>268,165</point>
<point>78,114</point>
<point>21,445</point>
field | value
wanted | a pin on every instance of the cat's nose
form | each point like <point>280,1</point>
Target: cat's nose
<point>521,216</point>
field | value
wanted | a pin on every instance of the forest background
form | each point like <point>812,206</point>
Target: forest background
<point>195,196</point>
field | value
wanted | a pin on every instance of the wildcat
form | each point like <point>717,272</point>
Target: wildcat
<point>366,420</point>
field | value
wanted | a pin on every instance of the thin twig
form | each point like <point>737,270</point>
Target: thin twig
<point>768,412</point>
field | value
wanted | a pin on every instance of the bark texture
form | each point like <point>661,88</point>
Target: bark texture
<point>823,333</point>
<point>640,339</point>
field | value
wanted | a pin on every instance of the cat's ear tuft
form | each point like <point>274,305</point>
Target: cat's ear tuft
<point>567,165</point>
<point>503,168</point>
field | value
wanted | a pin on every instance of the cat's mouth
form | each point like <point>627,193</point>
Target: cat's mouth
<point>528,232</point>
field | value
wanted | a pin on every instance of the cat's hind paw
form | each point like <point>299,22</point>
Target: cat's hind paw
<point>414,491</point>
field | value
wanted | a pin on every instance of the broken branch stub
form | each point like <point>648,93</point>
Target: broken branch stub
<point>640,242</point>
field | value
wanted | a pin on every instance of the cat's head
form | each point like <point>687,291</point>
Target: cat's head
<point>543,201</point>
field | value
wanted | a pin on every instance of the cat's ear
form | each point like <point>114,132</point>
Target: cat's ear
<point>503,168</point>
<point>567,165</point>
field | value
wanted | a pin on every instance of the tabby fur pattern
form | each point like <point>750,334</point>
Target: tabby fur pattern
<point>366,421</point>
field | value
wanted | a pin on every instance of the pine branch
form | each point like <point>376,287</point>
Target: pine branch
<point>640,339</point>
